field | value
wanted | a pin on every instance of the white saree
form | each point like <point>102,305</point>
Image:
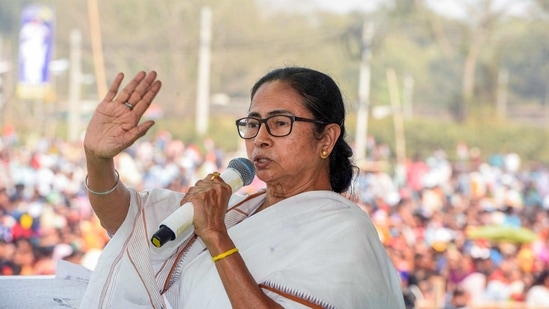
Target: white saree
<point>313,250</point>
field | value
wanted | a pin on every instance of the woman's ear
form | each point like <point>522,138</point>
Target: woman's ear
<point>332,132</point>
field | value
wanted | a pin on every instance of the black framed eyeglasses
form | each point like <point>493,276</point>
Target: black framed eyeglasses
<point>277,125</point>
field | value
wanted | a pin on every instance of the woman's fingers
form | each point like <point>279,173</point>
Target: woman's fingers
<point>138,94</point>
<point>126,93</point>
<point>113,90</point>
<point>147,96</point>
<point>142,129</point>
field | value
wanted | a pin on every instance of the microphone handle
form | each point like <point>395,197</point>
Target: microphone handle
<point>179,223</point>
<point>174,225</point>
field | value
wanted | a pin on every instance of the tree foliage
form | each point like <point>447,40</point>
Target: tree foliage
<point>455,63</point>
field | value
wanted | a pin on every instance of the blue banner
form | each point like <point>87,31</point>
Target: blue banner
<point>35,50</point>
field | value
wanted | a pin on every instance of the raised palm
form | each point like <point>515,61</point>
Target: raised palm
<point>115,125</point>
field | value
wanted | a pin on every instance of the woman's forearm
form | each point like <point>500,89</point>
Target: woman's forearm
<point>241,287</point>
<point>108,196</point>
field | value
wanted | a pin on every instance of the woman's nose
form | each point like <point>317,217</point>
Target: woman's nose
<point>263,136</point>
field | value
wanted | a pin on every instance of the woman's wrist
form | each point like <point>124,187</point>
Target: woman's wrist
<point>102,178</point>
<point>225,254</point>
<point>218,243</point>
<point>106,192</point>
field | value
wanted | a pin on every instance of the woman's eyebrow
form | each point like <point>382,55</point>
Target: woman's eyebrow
<point>271,113</point>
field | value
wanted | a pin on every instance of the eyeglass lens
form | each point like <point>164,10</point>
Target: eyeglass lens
<point>277,126</point>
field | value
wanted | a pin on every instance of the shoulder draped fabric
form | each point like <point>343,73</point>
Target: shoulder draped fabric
<point>314,250</point>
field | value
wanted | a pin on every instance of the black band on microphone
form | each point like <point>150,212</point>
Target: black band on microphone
<point>162,236</point>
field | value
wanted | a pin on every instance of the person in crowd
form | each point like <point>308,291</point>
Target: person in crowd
<point>458,300</point>
<point>298,243</point>
<point>498,285</point>
<point>538,293</point>
<point>474,284</point>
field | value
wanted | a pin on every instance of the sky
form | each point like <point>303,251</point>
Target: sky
<point>347,5</point>
<point>451,8</point>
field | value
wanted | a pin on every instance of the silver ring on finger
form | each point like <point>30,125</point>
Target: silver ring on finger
<point>129,105</point>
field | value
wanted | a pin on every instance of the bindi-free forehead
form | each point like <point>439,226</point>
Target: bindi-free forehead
<point>275,98</point>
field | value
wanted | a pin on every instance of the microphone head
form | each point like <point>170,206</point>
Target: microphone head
<point>245,168</point>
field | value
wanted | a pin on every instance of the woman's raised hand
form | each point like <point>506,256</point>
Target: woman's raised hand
<point>115,125</point>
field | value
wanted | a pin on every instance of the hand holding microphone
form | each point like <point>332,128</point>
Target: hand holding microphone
<point>240,172</point>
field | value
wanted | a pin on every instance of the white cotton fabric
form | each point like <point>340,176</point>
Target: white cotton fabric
<point>316,243</point>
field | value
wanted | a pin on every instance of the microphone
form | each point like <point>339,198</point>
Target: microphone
<point>240,172</point>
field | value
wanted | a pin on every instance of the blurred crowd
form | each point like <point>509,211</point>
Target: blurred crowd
<point>424,210</point>
<point>428,210</point>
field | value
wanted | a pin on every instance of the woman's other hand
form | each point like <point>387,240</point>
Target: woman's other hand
<point>210,197</point>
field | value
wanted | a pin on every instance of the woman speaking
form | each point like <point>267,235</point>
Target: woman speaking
<point>298,243</point>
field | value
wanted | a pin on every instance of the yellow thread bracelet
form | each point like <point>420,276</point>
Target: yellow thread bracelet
<point>224,254</point>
